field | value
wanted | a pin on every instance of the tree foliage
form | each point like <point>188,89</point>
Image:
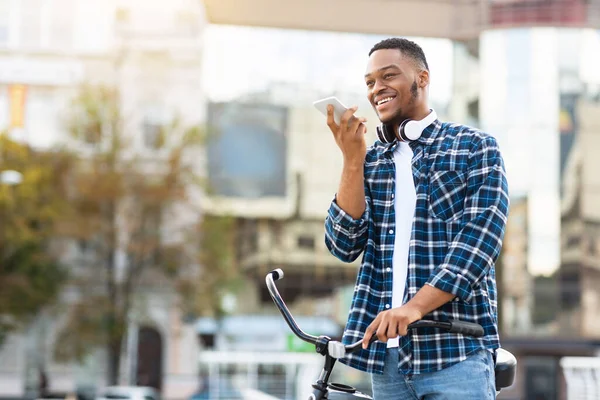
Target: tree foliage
<point>220,274</point>
<point>30,217</point>
<point>136,217</point>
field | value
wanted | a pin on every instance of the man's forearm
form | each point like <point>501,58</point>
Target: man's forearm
<point>429,298</point>
<point>351,193</point>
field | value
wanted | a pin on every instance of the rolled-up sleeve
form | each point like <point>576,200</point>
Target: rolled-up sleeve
<point>475,249</point>
<point>345,236</point>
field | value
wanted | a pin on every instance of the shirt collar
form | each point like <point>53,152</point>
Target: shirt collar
<point>429,133</point>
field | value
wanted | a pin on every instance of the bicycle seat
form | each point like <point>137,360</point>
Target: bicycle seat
<point>506,368</point>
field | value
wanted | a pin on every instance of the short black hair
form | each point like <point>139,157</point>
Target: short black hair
<point>406,47</point>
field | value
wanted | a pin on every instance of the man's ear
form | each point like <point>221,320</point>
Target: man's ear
<point>423,78</point>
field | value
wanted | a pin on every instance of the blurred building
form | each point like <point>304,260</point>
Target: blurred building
<point>542,101</point>
<point>151,50</point>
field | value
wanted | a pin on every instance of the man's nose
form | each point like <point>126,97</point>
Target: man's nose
<point>377,87</point>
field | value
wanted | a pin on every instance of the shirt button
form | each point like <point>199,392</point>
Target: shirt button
<point>392,195</point>
<point>391,231</point>
<point>388,269</point>
<point>387,306</point>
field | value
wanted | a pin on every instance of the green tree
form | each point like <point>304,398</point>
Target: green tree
<point>219,275</point>
<point>136,215</point>
<point>30,217</point>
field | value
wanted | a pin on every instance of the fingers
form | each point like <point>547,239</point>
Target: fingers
<point>354,125</point>
<point>382,330</point>
<point>350,125</point>
<point>403,330</point>
<point>362,129</point>
<point>330,119</point>
<point>378,328</point>
<point>392,331</point>
<point>348,116</point>
<point>384,327</point>
<point>368,335</point>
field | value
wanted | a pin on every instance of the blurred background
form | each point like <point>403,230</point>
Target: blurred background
<point>158,158</point>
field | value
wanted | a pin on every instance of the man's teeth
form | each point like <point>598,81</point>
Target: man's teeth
<point>380,102</point>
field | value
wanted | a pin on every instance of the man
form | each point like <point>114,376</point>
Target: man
<point>429,215</point>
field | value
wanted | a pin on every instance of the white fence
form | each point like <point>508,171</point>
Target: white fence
<point>259,375</point>
<point>582,376</point>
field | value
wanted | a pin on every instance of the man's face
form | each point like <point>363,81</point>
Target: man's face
<point>392,87</point>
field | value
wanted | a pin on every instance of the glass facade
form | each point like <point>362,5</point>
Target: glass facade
<point>539,95</point>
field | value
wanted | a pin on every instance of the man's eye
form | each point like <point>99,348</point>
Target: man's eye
<point>369,83</point>
<point>389,76</point>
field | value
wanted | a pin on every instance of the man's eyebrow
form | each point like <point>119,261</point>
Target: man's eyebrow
<point>394,66</point>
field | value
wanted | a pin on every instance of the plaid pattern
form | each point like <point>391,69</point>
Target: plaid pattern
<point>461,212</point>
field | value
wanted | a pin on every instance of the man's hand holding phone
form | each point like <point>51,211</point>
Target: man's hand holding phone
<point>349,134</point>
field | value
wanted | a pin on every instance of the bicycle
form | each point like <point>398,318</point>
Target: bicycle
<point>505,367</point>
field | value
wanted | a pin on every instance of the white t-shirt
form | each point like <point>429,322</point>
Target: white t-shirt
<point>405,199</point>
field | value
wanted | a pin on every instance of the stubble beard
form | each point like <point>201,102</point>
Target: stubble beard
<point>399,116</point>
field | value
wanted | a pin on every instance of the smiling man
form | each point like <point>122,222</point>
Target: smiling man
<point>426,205</point>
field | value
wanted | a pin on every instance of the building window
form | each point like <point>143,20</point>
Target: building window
<point>153,135</point>
<point>62,17</point>
<point>306,242</point>
<point>187,22</point>
<point>4,21</point>
<point>247,150</point>
<point>155,124</point>
<point>276,232</point>
<point>122,18</point>
<point>591,246</point>
<point>251,231</point>
<point>31,24</point>
<point>122,15</point>
<point>573,241</point>
<point>473,109</point>
<point>540,377</point>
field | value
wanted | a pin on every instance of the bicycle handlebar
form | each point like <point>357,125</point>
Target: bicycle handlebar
<point>271,277</point>
<point>462,327</point>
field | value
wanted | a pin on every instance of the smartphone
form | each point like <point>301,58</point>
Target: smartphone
<point>338,107</point>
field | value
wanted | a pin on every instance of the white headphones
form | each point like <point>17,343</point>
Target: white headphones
<point>408,130</point>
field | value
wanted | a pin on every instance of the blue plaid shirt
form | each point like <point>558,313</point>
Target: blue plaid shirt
<point>457,230</point>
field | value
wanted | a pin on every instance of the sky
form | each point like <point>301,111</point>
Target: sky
<point>239,60</point>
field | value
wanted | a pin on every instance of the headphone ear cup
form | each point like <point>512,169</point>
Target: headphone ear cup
<point>410,130</point>
<point>401,130</point>
<point>385,134</point>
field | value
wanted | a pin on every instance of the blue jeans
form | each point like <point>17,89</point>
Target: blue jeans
<point>471,379</point>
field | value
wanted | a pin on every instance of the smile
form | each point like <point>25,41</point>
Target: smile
<point>385,100</point>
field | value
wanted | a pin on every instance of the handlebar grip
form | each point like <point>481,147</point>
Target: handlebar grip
<point>277,274</point>
<point>466,328</point>
<point>462,327</point>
